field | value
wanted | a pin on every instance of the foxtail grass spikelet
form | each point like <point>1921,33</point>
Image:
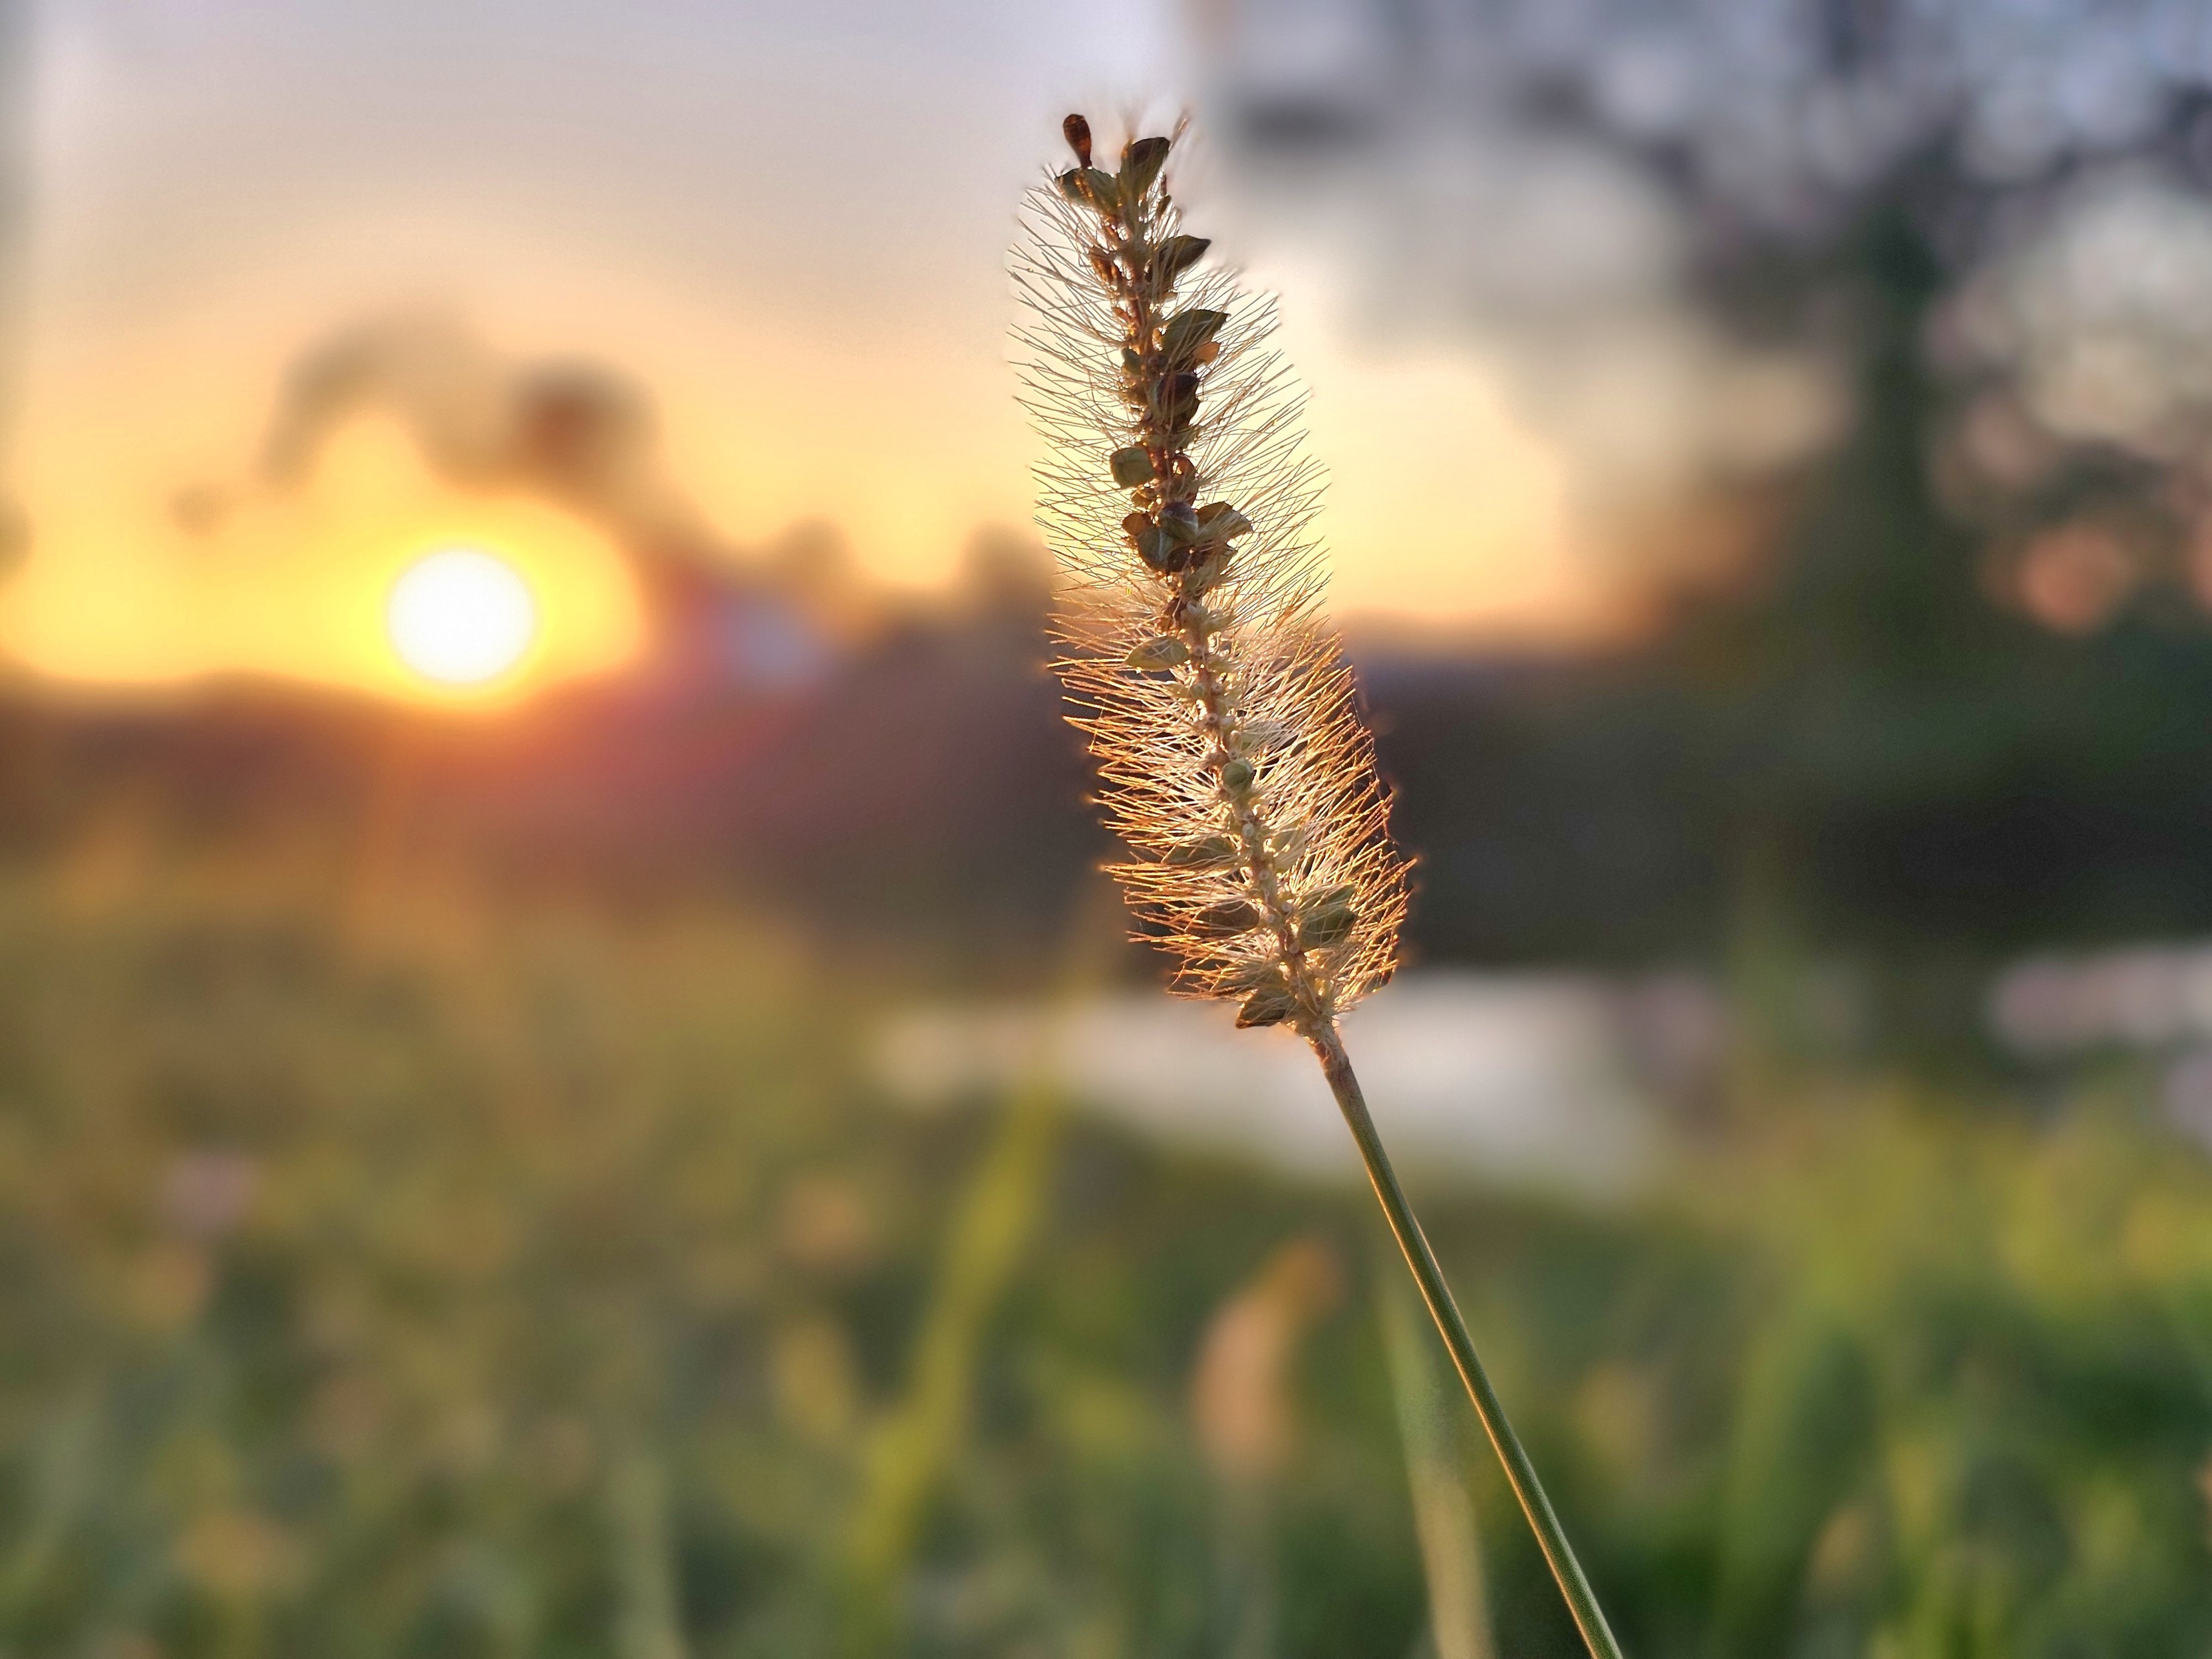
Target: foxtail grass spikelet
<point>1179,499</point>
<point>1180,503</point>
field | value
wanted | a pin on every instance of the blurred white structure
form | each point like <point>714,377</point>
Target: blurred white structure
<point>1551,1081</point>
<point>2155,1001</point>
<point>2143,997</point>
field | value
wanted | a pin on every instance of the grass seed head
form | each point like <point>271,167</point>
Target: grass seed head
<point>1177,496</point>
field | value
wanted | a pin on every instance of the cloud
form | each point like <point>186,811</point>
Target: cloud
<point>576,433</point>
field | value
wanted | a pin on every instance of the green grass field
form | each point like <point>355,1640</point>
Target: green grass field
<point>539,1283</point>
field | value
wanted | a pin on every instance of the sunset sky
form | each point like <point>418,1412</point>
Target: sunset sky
<point>786,222</point>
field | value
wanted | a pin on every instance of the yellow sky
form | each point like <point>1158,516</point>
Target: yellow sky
<point>817,348</point>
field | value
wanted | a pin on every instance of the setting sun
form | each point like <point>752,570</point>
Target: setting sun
<point>461,617</point>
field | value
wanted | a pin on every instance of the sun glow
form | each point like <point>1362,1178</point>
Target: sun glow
<point>293,583</point>
<point>461,617</point>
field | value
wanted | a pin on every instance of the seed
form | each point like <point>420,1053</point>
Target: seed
<point>1087,185</point>
<point>1141,161</point>
<point>1165,652</point>
<point>1178,254</point>
<point>1203,573</point>
<point>1328,920</point>
<point>1271,1004</point>
<point>1189,330</point>
<point>1209,852</point>
<point>1226,919</point>
<point>1131,466</point>
<point>1077,131</point>
<point>1222,522</point>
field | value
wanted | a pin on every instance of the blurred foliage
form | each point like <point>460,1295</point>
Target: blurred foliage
<point>556,1285</point>
<point>1860,736</point>
<point>1922,669</point>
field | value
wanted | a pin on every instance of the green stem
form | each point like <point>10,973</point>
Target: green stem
<point>1550,1537</point>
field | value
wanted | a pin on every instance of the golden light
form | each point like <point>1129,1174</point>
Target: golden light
<point>461,617</point>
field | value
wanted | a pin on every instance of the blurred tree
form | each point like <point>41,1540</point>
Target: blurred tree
<point>1909,292</point>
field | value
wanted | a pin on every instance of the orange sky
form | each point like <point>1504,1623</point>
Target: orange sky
<point>821,344</point>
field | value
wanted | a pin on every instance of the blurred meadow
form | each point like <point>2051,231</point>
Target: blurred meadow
<point>569,1085</point>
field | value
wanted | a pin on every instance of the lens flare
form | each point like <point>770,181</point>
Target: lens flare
<point>461,617</point>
